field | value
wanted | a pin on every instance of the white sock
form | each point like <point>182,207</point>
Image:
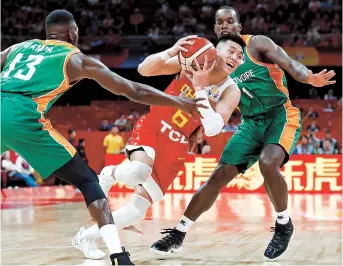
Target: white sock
<point>125,216</point>
<point>184,224</point>
<point>110,236</point>
<point>282,217</point>
<point>92,231</point>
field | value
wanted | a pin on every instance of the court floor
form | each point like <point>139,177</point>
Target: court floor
<point>234,232</point>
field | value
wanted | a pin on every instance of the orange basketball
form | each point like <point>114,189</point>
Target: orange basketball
<point>200,48</point>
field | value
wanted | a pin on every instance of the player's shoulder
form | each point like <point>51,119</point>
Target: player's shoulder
<point>260,40</point>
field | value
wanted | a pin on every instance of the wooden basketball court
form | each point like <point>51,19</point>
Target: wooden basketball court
<point>234,232</point>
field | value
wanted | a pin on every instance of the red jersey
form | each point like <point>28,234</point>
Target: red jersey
<point>179,125</point>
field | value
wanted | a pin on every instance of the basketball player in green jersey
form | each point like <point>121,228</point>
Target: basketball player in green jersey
<point>34,75</point>
<point>268,133</point>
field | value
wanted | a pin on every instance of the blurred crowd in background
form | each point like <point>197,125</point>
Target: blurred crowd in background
<point>107,25</point>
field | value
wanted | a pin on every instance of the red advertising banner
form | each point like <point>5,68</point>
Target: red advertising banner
<point>303,174</point>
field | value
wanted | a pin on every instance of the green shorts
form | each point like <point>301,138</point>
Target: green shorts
<point>281,126</point>
<point>25,130</point>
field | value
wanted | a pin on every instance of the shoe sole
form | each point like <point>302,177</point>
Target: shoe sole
<point>269,259</point>
<point>163,253</point>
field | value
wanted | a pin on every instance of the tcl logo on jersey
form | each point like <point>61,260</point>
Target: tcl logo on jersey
<point>173,135</point>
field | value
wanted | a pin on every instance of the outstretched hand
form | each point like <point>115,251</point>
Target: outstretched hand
<point>191,106</point>
<point>322,78</point>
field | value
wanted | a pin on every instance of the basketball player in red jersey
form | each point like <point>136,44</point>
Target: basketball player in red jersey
<point>268,135</point>
<point>160,140</point>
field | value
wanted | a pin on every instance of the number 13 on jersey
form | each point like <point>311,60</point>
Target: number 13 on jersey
<point>28,66</point>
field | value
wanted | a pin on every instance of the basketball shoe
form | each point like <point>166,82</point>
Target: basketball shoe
<point>278,245</point>
<point>171,243</point>
<point>88,246</point>
<point>106,179</point>
<point>122,258</point>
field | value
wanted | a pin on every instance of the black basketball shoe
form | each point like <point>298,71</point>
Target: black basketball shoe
<point>279,243</point>
<point>122,258</point>
<point>171,243</point>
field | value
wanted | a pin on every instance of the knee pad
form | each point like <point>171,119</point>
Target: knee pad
<point>153,189</point>
<point>132,212</point>
<point>132,173</point>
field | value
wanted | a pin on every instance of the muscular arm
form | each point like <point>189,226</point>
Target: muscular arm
<point>266,47</point>
<point>228,102</point>
<point>153,65</point>
<point>81,66</point>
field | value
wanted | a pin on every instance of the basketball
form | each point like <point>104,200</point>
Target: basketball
<point>200,48</point>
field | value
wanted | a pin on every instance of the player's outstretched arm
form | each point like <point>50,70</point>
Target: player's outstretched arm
<point>298,71</point>
<point>81,66</point>
<point>166,62</point>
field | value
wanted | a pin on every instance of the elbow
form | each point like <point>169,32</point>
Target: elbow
<point>142,70</point>
<point>214,125</point>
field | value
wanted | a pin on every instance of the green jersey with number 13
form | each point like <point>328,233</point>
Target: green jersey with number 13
<point>37,69</point>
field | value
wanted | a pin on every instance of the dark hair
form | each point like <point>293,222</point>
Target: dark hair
<point>58,17</point>
<point>71,130</point>
<point>81,140</point>
<point>327,131</point>
<point>232,37</point>
<point>232,8</point>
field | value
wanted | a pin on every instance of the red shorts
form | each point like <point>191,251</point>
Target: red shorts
<point>168,156</point>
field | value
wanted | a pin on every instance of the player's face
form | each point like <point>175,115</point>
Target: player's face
<point>74,34</point>
<point>232,55</point>
<point>226,22</point>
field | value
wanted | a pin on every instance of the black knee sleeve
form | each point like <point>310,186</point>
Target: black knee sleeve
<point>78,173</point>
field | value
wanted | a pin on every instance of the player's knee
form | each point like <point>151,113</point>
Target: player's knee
<point>222,175</point>
<point>91,191</point>
<point>107,172</point>
<point>267,163</point>
<point>132,173</point>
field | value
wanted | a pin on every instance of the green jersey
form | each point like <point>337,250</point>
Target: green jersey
<point>263,86</point>
<point>37,69</point>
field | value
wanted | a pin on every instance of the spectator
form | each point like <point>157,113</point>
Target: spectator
<point>313,127</point>
<point>121,122</point>
<point>329,108</point>
<point>304,147</point>
<point>113,142</point>
<point>333,142</point>
<point>313,93</point>
<point>105,126</point>
<point>81,149</point>
<point>20,170</point>
<point>72,136</point>
<point>230,127</point>
<point>23,166</point>
<point>316,148</point>
<point>136,18</point>
<point>330,95</point>
<point>312,113</point>
<point>206,148</point>
<point>133,117</point>
<point>312,139</point>
<point>327,147</point>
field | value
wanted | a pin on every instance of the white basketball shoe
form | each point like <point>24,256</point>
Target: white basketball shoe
<point>106,179</point>
<point>88,246</point>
